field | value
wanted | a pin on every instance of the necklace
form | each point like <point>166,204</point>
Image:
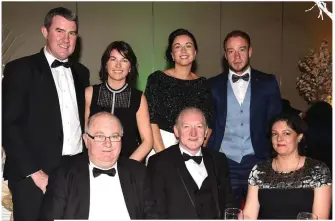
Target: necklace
<point>114,92</point>
<point>290,171</point>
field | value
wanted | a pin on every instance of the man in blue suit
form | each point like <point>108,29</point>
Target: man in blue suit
<point>244,101</point>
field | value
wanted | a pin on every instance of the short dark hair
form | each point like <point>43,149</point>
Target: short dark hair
<point>237,33</point>
<point>172,37</point>
<point>126,51</point>
<point>297,124</point>
<point>64,12</point>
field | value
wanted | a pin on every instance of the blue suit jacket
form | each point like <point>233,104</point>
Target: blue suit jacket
<point>264,104</point>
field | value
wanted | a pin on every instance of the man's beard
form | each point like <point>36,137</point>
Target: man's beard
<point>241,69</point>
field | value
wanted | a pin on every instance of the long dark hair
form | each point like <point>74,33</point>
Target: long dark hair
<point>125,50</point>
<point>172,37</point>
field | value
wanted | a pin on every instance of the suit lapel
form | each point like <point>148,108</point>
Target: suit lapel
<point>127,189</point>
<point>183,174</point>
<point>223,100</point>
<point>48,83</point>
<point>210,167</point>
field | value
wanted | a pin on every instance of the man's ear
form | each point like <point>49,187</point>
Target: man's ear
<point>44,31</point>
<point>175,130</point>
<point>85,138</point>
<point>206,132</point>
<point>250,52</point>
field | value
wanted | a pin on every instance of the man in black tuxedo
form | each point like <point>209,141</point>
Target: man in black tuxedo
<point>187,181</point>
<point>43,112</point>
<point>97,185</point>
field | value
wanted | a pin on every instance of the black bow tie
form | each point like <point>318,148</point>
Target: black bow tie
<point>196,159</point>
<point>237,77</point>
<point>57,63</point>
<point>97,172</point>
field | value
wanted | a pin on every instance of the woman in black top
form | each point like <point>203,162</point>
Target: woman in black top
<point>170,91</point>
<point>290,183</point>
<point>117,96</point>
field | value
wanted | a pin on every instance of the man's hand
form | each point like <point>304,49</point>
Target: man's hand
<point>40,179</point>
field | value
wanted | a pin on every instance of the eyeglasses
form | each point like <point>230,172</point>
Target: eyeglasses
<point>102,138</point>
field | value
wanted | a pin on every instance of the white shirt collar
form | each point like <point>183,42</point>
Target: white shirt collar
<point>183,150</point>
<point>91,165</point>
<point>197,171</point>
<point>50,57</point>
<point>230,74</point>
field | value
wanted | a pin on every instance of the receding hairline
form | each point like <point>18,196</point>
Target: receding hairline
<point>101,115</point>
<point>192,110</point>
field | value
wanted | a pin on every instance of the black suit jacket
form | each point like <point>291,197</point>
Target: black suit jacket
<point>68,191</point>
<point>169,179</point>
<point>32,126</point>
<point>265,103</point>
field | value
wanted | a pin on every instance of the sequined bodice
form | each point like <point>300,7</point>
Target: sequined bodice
<point>167,96</point>
<point>312,175</point>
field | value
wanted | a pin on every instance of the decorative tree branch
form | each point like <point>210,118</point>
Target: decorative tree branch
<point>315,80</point>
<point>6,56</point>
<point>323,8</point>
<point>9,44</point>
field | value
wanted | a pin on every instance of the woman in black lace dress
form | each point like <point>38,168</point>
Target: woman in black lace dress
<point>170,91</point>
<point>289,183</point>
<point>117,96</point>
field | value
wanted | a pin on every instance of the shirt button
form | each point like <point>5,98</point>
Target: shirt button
<point>241,111</point>
<point>241,124</point>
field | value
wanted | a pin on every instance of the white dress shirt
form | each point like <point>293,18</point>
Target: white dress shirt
<point>197,171</point>
<point>240,87</point>
<point>68,107</point>
<point>106,197</point>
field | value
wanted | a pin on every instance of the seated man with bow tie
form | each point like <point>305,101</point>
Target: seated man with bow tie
<point>97,185</point>
<point>188,181</point>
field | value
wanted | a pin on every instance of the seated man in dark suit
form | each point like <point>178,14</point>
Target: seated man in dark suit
<point>187,181</point>
<point>97,185</point>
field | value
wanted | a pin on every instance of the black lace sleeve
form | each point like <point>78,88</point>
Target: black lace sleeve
<point>151,92</point>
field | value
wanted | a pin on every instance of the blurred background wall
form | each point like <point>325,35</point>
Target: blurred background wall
<point>282,33</point>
